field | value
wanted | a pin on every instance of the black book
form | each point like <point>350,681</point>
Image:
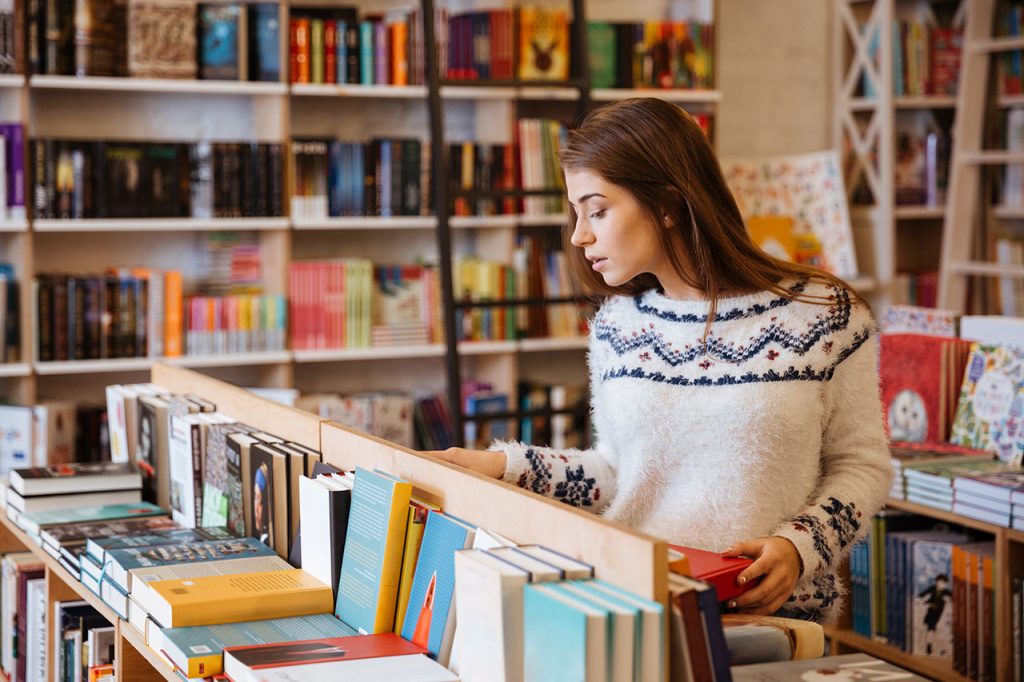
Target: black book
<point>246,172</point>
<point>76,318</point>
<point>352,52</point>
<point>275,179</point>
<point>96,181</point>
<point>257,180</point>
<point>397,159</point>
<point>162,184</point>
<point>371,161</point>
<point>123,171</point>
<point>12,327</point>
<point>44,317</point>
<point>125,321</point>
<point>92,314</point>
<point>59,315</point>
<point>110,293</point>
<point>140,296</point>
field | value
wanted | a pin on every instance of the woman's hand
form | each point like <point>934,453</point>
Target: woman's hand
<point>487,462</point>
<point>779,566</point>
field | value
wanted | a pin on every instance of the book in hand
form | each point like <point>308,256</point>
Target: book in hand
<point>75,478</point>
<point>199,651</point>
<point>372,563</point>
<point>847,667</point>
<point>118,562</point>
<point>430,616</point>
<point>716,570</point>
<point>235,598</point>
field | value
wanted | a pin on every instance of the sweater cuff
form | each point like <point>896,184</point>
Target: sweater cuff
<point>515,460</point>
<point>806,541</point>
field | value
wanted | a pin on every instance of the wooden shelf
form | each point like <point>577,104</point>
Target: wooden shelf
<point>993,157</point>
<point>670,95</point>
<point>205,87</point>
<point>937,670</point>
<point>159,224</point>
<point>487,347</point>
<point>1008,212</point>
<point>999,44</point>
<point>131,634</point>
<point>987,269</point>
<point>370,223</point>
<point>943,515</point>
<point>359,91</point>
<point>12,80</point>
<point>500,221</point>
<point>863,284</point>
<point>141,364</point>
<point>434,350</point>
<point>919,212</point>
<point>15,369</point>
<point>925,102</point>
<point>13,226</point>
<point>554,344</point>
<point>509,92</point>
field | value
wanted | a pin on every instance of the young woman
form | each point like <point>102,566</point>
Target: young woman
<point>734,396</point>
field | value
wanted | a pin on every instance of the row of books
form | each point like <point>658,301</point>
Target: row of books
<point>926,59</point>
<point>336,46</point>
<point>653,54</point>
<point>9,39</point>
<point>95,179</point>
<point>919,288</point>
<point>1013,182</point>
<point>350,303</point>
<point>12,172</point>
<point>524,43</point>
<point>10,315</point>
<point>243,323</point>
<point>383,177</point>
<point>920,175</point>
<point>927,590</point>
<point>484,168</point>
<point>188,40</point>
<point>123,314</point>
<point>1009,70</point>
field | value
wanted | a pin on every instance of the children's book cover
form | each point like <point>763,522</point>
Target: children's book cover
<point>990,412</point>
<point>932,599</point>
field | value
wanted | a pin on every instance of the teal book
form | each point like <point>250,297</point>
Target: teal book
<point>430,617</point>
<point>120,561</point>
<point>621,630</point>
<point>33,523</point>
<point>649,625</point>
<point>565,640</point>
<point>601,51</point>
<point>366,53</point>
<point>371,564</point>
<point>97,547</point>
<point>199,651</point>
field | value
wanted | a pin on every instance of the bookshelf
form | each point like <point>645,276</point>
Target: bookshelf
<point>1009,564</point>
<point>896,236</point>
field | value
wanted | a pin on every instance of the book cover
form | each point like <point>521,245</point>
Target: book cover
<point>326,513</point>
<point>211,600</point>
<point>718,571</point>
<point>418,512</point>
<point>98,547</point>
<point>33,523</point>
<point>565,639</point>
<point>118,562</point>
<point>931,611</point>
<point>218,35</point>
<point>845,667</point>
<point>152,455</point>
<point>198,651</point>
<point>215,473</point>
<point>408,668</point>
<point>430,617</point>
<point>15,438</point>
<point>76,477</point>
<point>161,40</point>
<point>372,563</point>
<point>268,483</point>
<point>908,319</point>
<point>774,235</point>
<point>912,386</point>
<point>990,411</point>
<point>543,44</point>
<point>320,650</point>
<point>77,534</point>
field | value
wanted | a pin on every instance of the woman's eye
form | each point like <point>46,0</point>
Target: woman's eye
<point>598,214</point>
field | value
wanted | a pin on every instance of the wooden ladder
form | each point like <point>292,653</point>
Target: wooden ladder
<point>969,159</point>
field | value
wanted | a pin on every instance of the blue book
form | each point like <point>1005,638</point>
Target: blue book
<point>265,26</point>
<point>384,181</point>
<point>120,561</point>
<point>565,639</point>
<point>218,41</point>
<point>198,651</point>
<point>356,178</point>
<point>372,562</point>
<point>34,523</point>
<point>335,179</point>
<point>97,547</point>
<point>341,52</point>
<point>621,625</point>
<point>430,618</point>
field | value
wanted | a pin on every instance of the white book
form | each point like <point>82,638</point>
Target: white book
<point>35,626</point>
<point>16,444</point>
<point>489,618</point>
<point>185,466</point>
<point>318,557</point>
<point>54,432</point>
<point>137,615</point>
<point>155,314</point>
<point>414,668</point>
<point>622,642</point>
<point>571,568</point>
<point>101,646</point>
<point>32,505</point>
<point>1013,189</point>
<point>1007,285</point>
<point>57,635</point>
<point>142,577</point>
<point>993,330</point>
<point>540,571</point>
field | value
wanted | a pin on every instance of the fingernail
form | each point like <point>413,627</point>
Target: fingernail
<point>731,604</point>
<point>727,550</point>
<point>743,580</point>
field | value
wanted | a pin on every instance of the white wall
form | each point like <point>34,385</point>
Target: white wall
<point>775,58</point>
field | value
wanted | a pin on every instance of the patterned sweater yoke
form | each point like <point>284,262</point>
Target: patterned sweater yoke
<point>770,426</point>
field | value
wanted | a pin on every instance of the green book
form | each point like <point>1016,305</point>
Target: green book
<point>199,651</point>
<point>33,523</point>
<point>601,50</point>
<point>316,50</point>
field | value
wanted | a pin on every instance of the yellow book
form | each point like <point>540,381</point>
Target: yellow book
<point>774,234</point>
<point>213,599</point>
<point>418,510</point>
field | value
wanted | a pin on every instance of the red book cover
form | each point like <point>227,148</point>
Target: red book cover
<point>716,570</point>
<point>259,656</point>
<point>330,51</point>
<point>911,381</point>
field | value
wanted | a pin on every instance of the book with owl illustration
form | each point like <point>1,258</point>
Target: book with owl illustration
<point>990,412</point>
<point>543,44</point>
<point>912,396</point>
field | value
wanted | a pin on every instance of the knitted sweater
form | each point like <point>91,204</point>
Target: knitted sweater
<point>774,429</point>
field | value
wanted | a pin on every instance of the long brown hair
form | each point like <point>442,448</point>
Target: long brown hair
<point>656,152</point>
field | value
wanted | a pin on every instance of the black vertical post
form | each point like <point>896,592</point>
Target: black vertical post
<point>580,56</point>
<point>439,172</point>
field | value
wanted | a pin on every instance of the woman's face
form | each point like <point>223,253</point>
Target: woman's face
<point>616,234</point>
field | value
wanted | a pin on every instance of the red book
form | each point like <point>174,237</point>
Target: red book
<point>330,51</point>
<point>716,570</point>
<point>260,656</point>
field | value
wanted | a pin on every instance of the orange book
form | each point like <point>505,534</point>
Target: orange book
<point>172,313</point>
<point>399,52</point>
<point>300,50</point>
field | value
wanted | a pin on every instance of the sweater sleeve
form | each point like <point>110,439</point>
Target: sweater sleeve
<point>854,479</point>
<point>581,478</point>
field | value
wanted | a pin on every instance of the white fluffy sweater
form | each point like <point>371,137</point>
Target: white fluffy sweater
<point>774,429</point>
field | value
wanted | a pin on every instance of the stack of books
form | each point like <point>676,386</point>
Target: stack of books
<point>65,486</point>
